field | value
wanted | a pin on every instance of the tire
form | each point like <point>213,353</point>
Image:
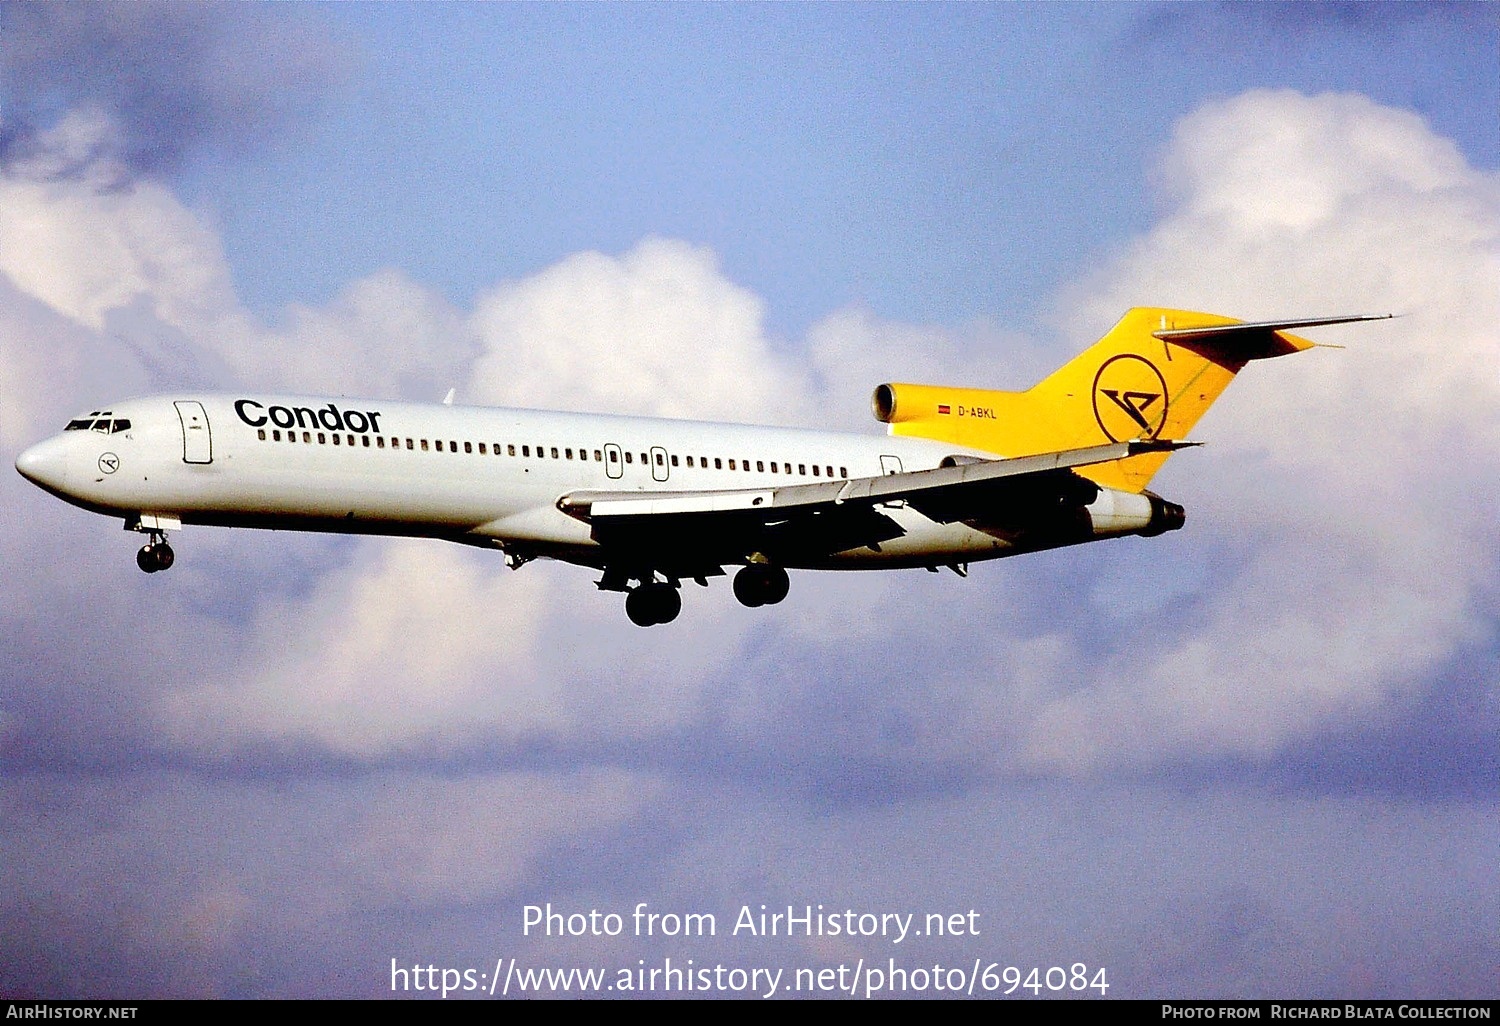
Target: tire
<point>750,586</point>
<point>667,602</point>
<point>776,584</point>
<point>640,608</point>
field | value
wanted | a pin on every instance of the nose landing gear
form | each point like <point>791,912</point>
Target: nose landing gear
<point>155,555</point>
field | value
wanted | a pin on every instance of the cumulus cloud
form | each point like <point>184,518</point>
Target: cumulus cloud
<point>106,91</point>
<point>658,331</point>
<point>1354,479</point>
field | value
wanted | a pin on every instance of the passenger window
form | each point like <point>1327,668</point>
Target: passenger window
<point>554,452</point>
<point>614,457</point>
<point>526,451</point>
<point>816,468</point>
<point>802,469</point>
<point>760,466</point>
<point>482,451</point>
<point>468,447</point>
<point>262,434</point>
<point>773,466</point>
<point>674,460</point>
<point>598,456</point>
<point>719,463</point>
<point>659,461</point>
<point>689,459</point>
<point>322,438</point>
<point>511,449</point>
<point>567,454</point>
<point>731,464</point>
<point>424,445</point>
<point>843,472</point>
<point>630,457</point>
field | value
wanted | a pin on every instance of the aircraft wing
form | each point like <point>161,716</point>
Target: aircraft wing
<point>689,530</point>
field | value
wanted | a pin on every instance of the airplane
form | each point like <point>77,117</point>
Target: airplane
<point>962,474</point>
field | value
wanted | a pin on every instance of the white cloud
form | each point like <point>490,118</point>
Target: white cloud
<point>1360,477</point>
<point>383,336</point>
<point>84,249</point>
<point>656,331</point>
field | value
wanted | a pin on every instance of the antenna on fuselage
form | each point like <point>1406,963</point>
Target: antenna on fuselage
<point>448,399</point>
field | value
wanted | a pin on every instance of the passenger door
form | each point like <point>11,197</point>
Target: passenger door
<point>197,440</point>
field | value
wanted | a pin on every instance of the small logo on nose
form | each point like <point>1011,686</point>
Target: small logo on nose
<point>109,463</point>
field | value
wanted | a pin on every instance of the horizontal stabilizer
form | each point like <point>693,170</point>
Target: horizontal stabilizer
<point>1255,340</point>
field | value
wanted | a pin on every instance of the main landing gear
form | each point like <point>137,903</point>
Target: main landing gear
<point>156,554</point>
<point>653,603</point>
<point>760,585</point>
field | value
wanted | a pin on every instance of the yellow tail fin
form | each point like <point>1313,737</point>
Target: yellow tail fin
<point>1152,376</point>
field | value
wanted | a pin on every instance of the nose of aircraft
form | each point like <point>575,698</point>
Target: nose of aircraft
<point>45,464</point>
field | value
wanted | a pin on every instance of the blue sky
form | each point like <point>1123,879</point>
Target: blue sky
<point>1257,757</point>
<point>935,162</point>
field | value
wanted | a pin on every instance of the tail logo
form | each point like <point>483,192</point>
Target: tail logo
<point>1130,398</point>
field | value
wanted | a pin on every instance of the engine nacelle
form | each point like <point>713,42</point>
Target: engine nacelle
<point>1145,513</point>
<point>944,410</point>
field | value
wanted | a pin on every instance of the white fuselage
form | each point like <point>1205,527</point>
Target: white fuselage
<point>489,477</point>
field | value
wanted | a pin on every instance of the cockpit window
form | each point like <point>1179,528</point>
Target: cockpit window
<point>98,420</point>
<point>120,424</point>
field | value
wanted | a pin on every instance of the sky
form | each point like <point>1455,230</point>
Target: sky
<point>1258,757</point>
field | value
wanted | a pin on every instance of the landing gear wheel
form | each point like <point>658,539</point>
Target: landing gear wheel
<point>777,584</point>
<point>652,604</point>
<point>761,585</point>
<point>747,587</point>
<point>155,556</point>
<point>668,602</point>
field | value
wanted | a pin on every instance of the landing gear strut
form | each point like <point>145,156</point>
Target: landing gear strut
<point>156,554</point>
<point>760,585</point>
<point>653,603</point>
